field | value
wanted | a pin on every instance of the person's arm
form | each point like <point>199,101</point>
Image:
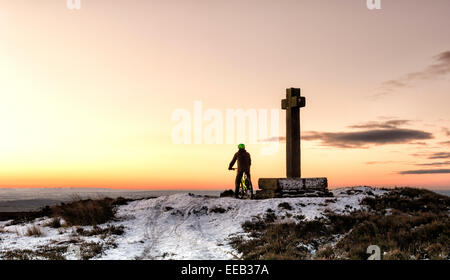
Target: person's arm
<point>233,161</point>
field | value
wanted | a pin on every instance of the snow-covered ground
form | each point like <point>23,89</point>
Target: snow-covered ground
<point>181,226</point>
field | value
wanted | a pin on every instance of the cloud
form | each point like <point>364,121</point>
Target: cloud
<point>382,162</point>
<point>274,139</point>
<point>375,133</point>
<point>436,155</point>
<point>439,68</point>
<point>386,124</point>
<point>446,131</point>
<point>419,143</point>
<point>360,139</point>
<point>434,163</point>
<point>426,171</point>
<point>440,155</point>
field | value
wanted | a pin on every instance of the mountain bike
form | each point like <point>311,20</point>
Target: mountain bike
<point>245,187</point>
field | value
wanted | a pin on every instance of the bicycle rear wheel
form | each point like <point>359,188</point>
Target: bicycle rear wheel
<point>241,193</point>
<point>245,193</point>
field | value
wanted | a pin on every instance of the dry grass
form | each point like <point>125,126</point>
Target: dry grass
<point>85,212</point>
<point>285,205</point>
<point>24,217</point>
<point>227,193</point>
<point>55,223</point>
<point>77,212</point>
<point>417,228</point>
<point>88,251</point>
<point>401,236</point>
<point>219,210</point>
<point>33,230</point>
<point>49,253</point>
<point>109,230</point>
<point>409,200</point>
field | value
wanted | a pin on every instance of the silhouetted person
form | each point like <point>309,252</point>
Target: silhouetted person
<point>243,165</point>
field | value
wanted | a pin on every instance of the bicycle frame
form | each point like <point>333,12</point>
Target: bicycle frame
<point>244,188</point>
<point>243,179</point>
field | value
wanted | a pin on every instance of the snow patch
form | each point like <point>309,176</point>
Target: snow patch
<point>186,226</point>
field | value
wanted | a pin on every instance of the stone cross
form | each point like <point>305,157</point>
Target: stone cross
<point>293,185</point>
<point>292,105</point>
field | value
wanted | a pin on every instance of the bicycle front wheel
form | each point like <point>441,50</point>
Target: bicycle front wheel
<point>241,193</point>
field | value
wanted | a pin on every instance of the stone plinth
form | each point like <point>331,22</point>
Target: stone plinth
<point>292,187</point>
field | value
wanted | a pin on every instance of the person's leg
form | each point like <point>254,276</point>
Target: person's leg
<point>250,181</point>
<point>237,183</point>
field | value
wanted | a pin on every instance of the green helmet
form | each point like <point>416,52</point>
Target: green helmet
<point>241,146</point>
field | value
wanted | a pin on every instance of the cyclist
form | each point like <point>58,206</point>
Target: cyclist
<point>243,165</point>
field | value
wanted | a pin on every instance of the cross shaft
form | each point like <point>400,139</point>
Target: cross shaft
<point>292,105</point>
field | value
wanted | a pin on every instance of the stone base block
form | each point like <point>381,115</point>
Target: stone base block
<point>263,194</point>
<point>292,187</point>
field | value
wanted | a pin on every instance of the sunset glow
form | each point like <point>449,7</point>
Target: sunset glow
<point>87,96</point>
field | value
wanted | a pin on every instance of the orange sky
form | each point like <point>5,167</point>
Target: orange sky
<point>87,96</point>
